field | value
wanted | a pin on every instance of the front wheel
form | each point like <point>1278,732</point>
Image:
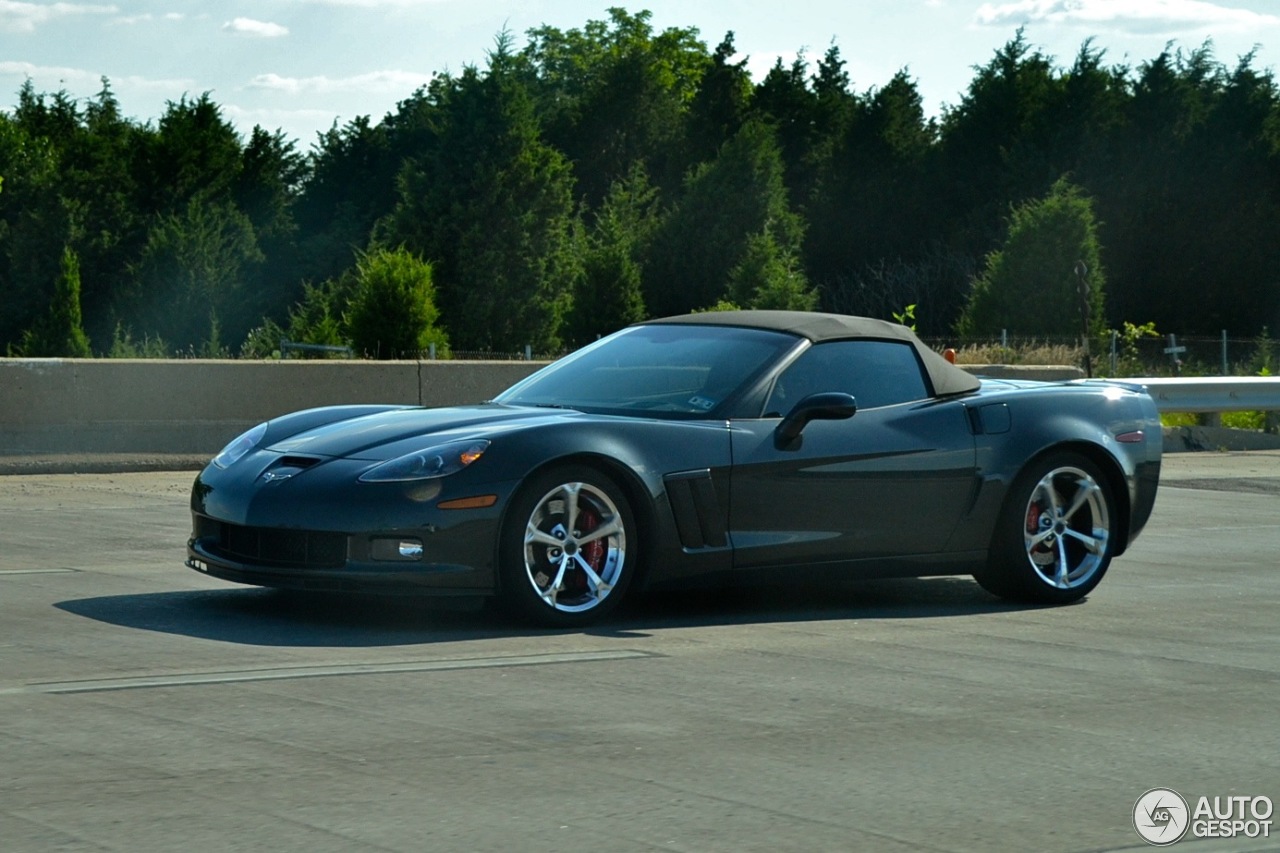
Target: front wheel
<point>1054,539</point>
<point>568,548</point>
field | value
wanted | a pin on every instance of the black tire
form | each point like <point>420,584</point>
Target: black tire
<point>1055,536</point>
<point>559,576</point>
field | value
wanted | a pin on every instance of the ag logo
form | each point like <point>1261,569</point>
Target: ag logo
<point>1161,816</point>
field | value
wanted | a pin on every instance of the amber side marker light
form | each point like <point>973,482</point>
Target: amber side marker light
<point>476,502</point>
<point>1135,437</point>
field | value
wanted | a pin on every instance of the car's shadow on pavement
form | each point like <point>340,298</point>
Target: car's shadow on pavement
<point>885,599</point>
<point>264,617</point>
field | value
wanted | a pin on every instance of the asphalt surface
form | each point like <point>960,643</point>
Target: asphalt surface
<point>144,707</point>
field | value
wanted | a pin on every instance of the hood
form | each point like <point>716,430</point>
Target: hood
<point>386,435</point>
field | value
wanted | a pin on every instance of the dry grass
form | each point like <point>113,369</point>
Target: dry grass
<point>1030,353</point>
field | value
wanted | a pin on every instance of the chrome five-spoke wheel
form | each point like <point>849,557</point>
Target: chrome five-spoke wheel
<point>1067,527</point>
<point>572,562</point>
<point>1055,538</point>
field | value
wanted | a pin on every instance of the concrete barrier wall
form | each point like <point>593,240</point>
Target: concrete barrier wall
<point>197,406</point>
<point>60,406</point>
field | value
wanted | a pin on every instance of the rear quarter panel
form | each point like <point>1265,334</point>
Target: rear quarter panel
<point>1083,416</point>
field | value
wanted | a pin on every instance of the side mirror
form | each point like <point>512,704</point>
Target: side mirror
<point>827,406</point>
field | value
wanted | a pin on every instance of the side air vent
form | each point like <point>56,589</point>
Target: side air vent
<point>696,507</point>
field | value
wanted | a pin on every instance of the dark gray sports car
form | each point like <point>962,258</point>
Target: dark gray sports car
<point>704,449</point>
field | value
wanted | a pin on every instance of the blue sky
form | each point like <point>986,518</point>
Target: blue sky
<point>299,65</point>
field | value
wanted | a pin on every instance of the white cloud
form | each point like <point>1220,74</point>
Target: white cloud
<point>300,125</point>
<point>375,4</point>
<point>1132,16</point>
<point>25,17</point>
<point>260,29</point>
<point>48,78</point>
<point>395,82</point>
<point>37,73</point>
<point>131,20</point>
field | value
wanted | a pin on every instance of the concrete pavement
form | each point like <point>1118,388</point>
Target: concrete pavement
<point>144,707</point>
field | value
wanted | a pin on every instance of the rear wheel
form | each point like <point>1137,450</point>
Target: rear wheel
<point>568,547</point>
<point>1054,540</point>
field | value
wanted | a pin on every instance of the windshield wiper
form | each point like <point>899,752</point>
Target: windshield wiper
<point>549,406</point>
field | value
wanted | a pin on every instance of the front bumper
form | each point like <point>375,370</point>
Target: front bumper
<point>312,560</point>
<point>319,528</point>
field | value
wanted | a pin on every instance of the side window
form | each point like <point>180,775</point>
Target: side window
<point>876,373</point>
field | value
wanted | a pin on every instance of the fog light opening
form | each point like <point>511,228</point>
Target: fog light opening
<point>401,549</point>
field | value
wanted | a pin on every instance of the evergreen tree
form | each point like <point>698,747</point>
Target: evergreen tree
<point>392,312</point>
<point>726,202</point>
<point>1193,202</point>
<point>318,317</point>
<point>491,206</point>
<point>1031,285</point>
<point>191,272</point>
<point>350,185</point>
<point>719,106</point>
<point>873,200</point>
<point>97,169</point>
<point>195,152</point>
<point>37,219</point>
<point>266,189</point>
<point>768,277</point>
<point>61,332</point>
<point>615,93</point>
<point>784,100</point>
<point>609,294</point>
<point>1003,115</point>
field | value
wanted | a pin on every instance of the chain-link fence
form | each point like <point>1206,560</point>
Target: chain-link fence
<point>1129,353</point>
<point>1133,352</point>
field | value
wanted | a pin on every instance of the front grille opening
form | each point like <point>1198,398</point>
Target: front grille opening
<point>271,546</point>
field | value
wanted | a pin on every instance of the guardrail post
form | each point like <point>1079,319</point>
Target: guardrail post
<point>1173,351</point>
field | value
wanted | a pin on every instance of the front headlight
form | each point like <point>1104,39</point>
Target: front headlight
<point>439,461</point>
<point>239,446</point>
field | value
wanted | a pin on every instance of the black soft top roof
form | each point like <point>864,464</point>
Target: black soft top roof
<point>817,327</point>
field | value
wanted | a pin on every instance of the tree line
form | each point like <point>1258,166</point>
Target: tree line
<point>602,175</point>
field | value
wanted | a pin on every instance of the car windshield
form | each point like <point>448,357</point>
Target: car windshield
<point>678,370</point>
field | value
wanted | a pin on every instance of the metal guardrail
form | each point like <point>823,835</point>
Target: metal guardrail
<point>287,346</point>
<point>1195,394</point>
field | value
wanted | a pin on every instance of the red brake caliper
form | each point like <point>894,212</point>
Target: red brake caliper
<point>1042,554</point>
<point>1033,517</point>
<point>593,551</point>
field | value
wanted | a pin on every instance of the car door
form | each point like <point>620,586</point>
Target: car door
<point>893,479</point>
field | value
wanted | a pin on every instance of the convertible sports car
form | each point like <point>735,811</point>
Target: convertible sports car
<point>702,449</point>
